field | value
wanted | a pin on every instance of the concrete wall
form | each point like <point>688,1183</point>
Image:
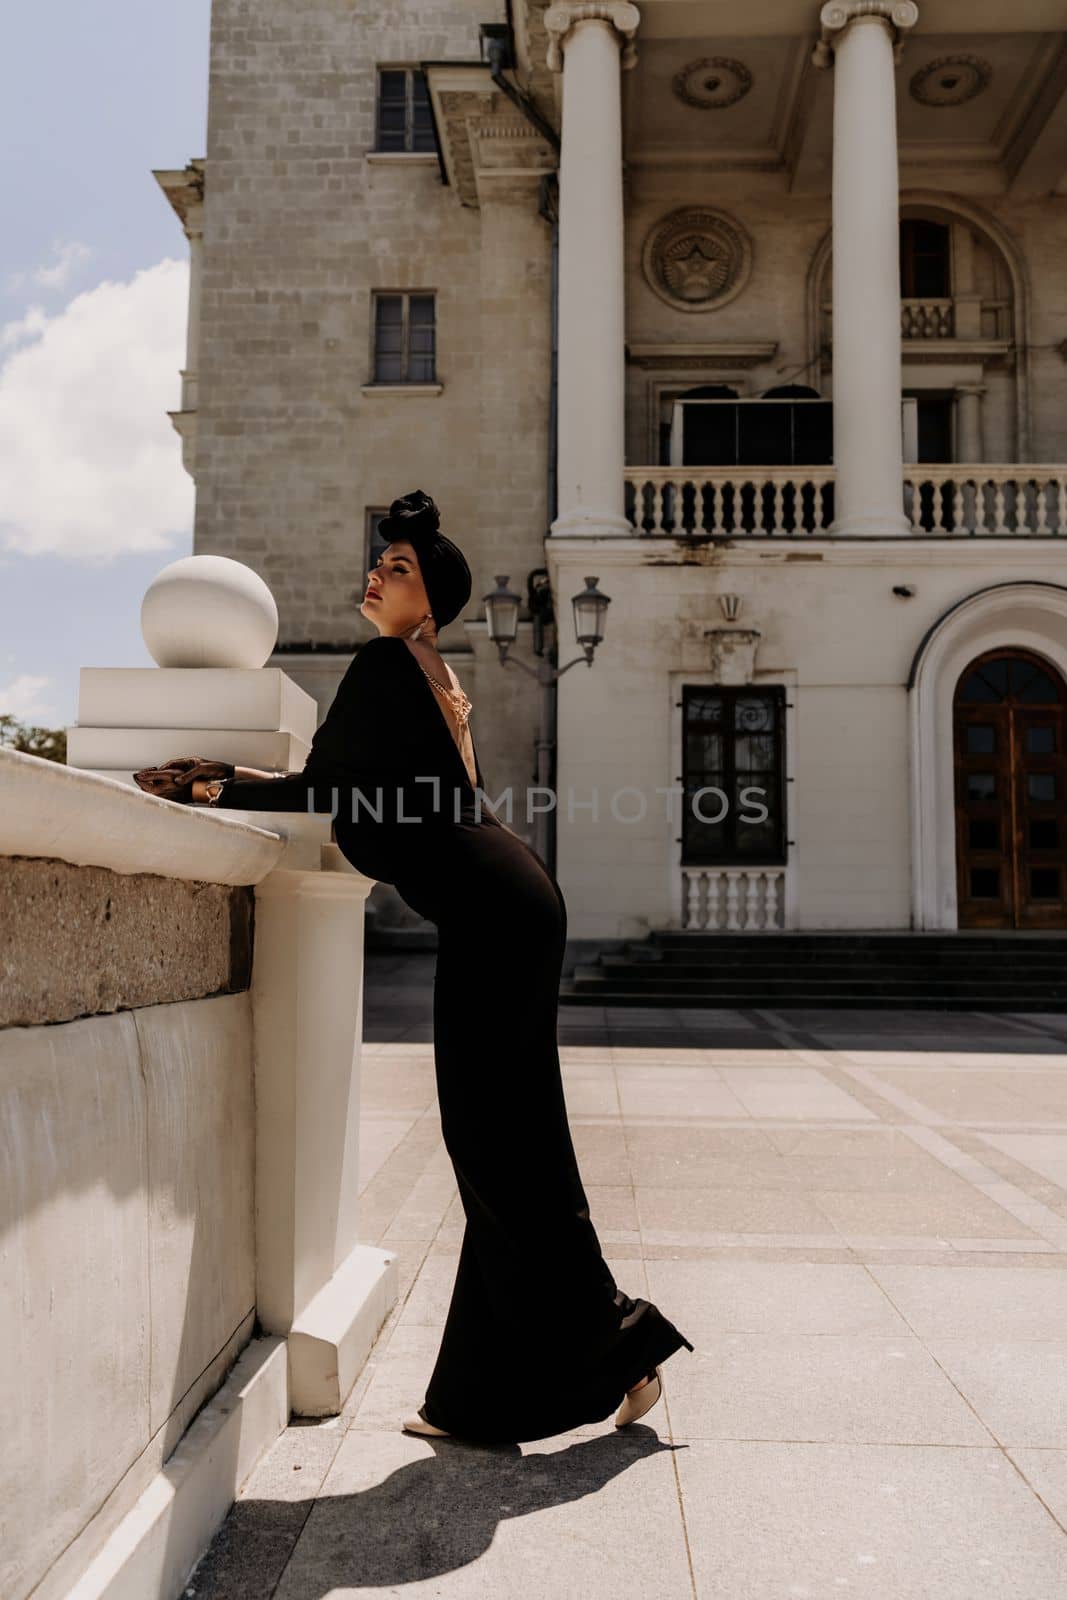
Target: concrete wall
<point>128,1265</point>
<point>127,1129</point>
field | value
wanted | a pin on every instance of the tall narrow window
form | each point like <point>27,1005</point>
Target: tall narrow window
<point>732,775</point>
<point>924,260</point>
<point>405,330</point>
<point>404,121</point>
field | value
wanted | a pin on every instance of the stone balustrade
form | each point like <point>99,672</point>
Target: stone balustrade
<point>726,899</point>
<point>939,499</point>
<point>927,319</point>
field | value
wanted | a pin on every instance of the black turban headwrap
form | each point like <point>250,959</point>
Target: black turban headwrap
<point>445,573</point>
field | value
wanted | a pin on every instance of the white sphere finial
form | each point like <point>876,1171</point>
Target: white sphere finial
<point>209,611</point>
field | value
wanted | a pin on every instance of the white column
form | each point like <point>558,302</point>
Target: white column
<point>591,362</point>
<point>862,39</point>
<point>316,1284</point>
<point>969,421</point>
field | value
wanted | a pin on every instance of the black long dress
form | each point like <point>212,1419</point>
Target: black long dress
<point>538,1338</point>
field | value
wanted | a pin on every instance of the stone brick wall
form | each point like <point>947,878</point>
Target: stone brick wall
<point>299,229</point>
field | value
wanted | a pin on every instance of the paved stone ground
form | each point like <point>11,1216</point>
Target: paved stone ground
<point>859,1219</point>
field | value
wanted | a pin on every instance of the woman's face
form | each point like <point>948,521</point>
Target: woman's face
<point>395,597</point>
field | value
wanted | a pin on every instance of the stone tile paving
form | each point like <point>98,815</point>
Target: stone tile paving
<point>859,1219</point>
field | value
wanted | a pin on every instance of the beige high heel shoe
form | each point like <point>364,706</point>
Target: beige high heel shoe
<point>418,1424</point>
<point>638,1401</point>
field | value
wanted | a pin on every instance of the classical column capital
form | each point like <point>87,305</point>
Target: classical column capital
<point>835,16</point>
<point>560,18</point>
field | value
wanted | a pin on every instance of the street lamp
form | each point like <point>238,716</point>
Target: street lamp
<point>590,614</point>
<point>502,616</point>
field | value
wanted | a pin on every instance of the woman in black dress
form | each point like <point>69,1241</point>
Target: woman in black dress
<point>538,1338</point>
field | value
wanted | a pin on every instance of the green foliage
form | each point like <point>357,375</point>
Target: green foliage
<point>50,743</point>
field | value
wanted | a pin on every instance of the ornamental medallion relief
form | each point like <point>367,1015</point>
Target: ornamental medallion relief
<point>950,80</point>
<point>712,83</point>
<point>697,258</point>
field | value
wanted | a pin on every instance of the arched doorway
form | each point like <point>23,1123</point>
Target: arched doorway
<point>1009,720</point>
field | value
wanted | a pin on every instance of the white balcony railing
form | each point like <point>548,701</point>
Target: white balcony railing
<point>1029,501</point>
<point>939,499</point>
<point>717,899</point>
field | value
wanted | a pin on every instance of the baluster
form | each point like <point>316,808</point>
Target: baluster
<point>718,521</point>
<point>658,505</point>
<point>985,488</point>
<point>1061,505</point>
<point>916,504</point>
<point>957,506</point>
<point>1040,490</point>
<point>770,901</point>
<point>707,901</point>
<point>732,919</point>
<point>998,506</point>
<point>779,507</point>
<point>752,899</point>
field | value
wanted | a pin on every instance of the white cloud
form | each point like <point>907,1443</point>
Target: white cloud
<point>90,466</point>
<point>27,327</point>
<point>66,258</point>
<point>21,699</point>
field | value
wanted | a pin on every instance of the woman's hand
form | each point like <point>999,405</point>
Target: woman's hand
<point>174,779</point>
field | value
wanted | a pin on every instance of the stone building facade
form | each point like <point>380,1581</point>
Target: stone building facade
<point>759,314</point>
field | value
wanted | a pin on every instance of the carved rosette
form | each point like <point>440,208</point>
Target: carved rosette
<point>950,80</point>
<point>559,19</point>
<point>712,83</point>
<point>697,258</point>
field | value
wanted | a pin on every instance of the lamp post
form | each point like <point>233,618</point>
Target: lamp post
<point>502,615</point>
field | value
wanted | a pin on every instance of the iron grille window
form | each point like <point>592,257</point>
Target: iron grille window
<point>733,742</point>
<point>405,333</point>
<point>404,121</point>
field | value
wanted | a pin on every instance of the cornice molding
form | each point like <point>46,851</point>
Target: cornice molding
<point>184,189</point>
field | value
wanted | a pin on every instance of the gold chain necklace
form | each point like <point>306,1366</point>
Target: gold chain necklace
<point>457,699</point>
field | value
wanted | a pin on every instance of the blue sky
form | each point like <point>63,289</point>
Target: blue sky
<point>93,285</point>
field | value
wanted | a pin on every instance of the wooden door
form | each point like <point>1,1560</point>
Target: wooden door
<point>1009,727</point>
